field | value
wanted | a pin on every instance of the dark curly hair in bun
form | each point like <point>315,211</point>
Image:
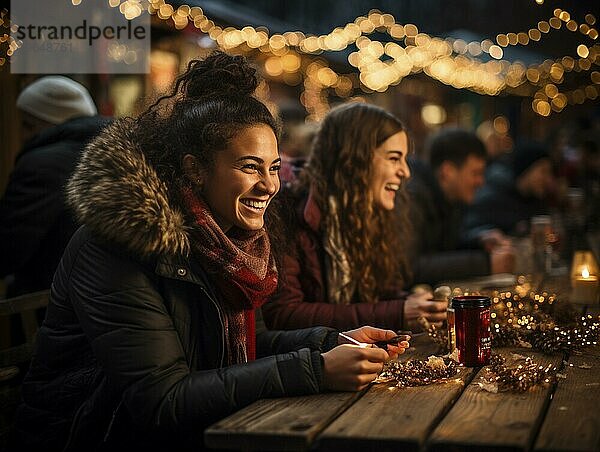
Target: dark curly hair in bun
<point>219,74</point>
<point>211,102</point>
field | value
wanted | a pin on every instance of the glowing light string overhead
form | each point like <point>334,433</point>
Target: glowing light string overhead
<point>454,62</point>
<point>381,65</point>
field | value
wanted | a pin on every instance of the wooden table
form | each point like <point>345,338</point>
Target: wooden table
<point>453,416</point>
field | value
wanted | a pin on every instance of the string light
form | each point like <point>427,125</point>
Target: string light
<point>7,43</point>
<point>555,22</point>
<point>525,318</point>
<point>498,376</point>
<point>451,61</point>
<point>419,372</point>
<point>518,378</point>
<point>380,66</point>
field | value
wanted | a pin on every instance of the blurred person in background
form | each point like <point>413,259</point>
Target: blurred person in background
<point>589,178</point>
<point>296,139</point>
<point>59,118</point>
<point>349,263</point>
<point>507,203</point>
<point>440,190</point>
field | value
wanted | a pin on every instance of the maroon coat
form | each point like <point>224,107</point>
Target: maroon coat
<point>302,298</point>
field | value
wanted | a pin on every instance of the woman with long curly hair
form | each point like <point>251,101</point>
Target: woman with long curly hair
<point>349,263</point>
<point>150,331</point>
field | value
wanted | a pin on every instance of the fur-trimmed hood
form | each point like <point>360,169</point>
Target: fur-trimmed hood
<point>117,194</point>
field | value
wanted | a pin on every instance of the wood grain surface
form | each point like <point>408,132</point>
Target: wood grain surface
<point>392,418</point>
<point>290,423</point>
<point>482,420</point>
<point>573,419</point>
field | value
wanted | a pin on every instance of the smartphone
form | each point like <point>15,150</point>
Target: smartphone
<point>394,340</point>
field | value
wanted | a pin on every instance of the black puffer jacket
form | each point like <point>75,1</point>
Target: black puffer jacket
<point>131,352</point>
<point>35,223</point>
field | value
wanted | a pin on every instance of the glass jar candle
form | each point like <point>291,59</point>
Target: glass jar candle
<point>472,329</point>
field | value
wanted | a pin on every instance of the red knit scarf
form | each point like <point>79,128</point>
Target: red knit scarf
<point>243,269</point>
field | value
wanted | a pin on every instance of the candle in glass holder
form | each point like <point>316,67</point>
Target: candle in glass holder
<point>585,287</point>
<point>584,277</point>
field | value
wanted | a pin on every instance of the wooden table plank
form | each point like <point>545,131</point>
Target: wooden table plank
<point>573,419</point>
<point>481,420</point>
<point>289,424</point>
<point>392,418</point>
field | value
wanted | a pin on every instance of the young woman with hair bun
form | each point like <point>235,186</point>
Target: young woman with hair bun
<point>150,331</point>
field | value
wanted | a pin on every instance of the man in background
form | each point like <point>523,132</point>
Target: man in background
<point>441,187</point>
<point>58,119</point>
<point>507,202</point>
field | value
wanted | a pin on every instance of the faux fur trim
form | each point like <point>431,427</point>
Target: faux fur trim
<point>118,194</point>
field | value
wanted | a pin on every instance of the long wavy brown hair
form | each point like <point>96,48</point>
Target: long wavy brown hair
<point>341,165</point>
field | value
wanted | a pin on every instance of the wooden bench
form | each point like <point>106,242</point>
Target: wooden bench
<point>14,361</point>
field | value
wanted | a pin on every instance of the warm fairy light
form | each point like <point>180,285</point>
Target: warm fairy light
<point>532,320</point>
<point>583,51</point>
<point>534,34</point>
<point>555,23</point>
<point>529,324</point>
<point>450,61</point>
<point>551,90</point>
<point>572,25</point>
<point>131,9</point>
<point>420,372</point>
<point>433,114</point>
<point>496,52</point>
<point>501,125</point>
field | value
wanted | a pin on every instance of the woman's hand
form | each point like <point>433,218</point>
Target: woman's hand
<point>351,367</point>
<point>422,305</point>
<point>370,335</point>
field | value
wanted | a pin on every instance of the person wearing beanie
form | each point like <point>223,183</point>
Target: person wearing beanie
<point>56,99</point>
<point>513,194</point>
<point>58,118</point>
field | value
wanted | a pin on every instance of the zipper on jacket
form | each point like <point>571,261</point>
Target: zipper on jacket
<point>76,418</point>
<point>72,429</point>
<point>220,320</point>
<point>112,421</point>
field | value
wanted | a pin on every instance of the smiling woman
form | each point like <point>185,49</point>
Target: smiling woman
<point>251,165</point>
<point>150,330</point>
<point>349,262</point>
